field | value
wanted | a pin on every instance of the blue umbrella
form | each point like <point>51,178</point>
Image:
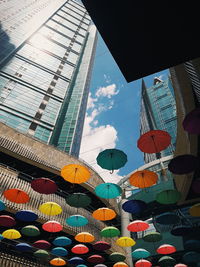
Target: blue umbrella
<point>81,265</point>
<point>140,253</point>
<point>134,206</point>
<point>26,215</point>
<point>62,241</point>
<point>192,244</point>
<point>108,190</point>
<point>2,205</point>
<point>59,251</point>
<point>1,237</point>
<point>191,257</point>
<point>23,247</point>
<point>168,218</point>
<point>76,260</point>
<point>76,220</point>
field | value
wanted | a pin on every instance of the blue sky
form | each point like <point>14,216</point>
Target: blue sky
<point>112,119</point>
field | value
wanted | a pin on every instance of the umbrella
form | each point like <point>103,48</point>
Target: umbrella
<point>59,251</point>
<point>180,265</point>
<point>75,174</point>
<point>62,241</point>
<point>191,122</point>
<point>50,208</point>
<point>143,179</point>
<point>104,214</point>
<point>108,190</point>
<point>143,263</point>
<point>168,218</point>
<point>183,164</point>
<point>191,257</point>
<point>181,230</point>
<point>58,262</point>
<point>116,257</point>
<point>137,226</point>
<point>111,159</point>
<point>101,245</point>
<point>26,215</point>
<point>78,200</point>
<point>80,249</point>
<point>11,234</point>
<point>81,265</point>
<point>1,237</point>
<point>154,141</point>
<point>100,265</point>
<point>23,247</point>
<point>166,249</point>
<point>110,231</point>
<point>134,206</point>
<point>52,226</point>
<point>120,264</point>
<point>140,253</point>
<point>192,244</point>
<point>195,210</point>
<point>166,261</point>
<point>76,260</point>
<point>168,197</point>
<point>2,205</point>
<point>42,244</point>
<point>16,195</point>
<point>77,220</point>
<point>95,259</point>
<point>196,186</point>
<point>30,230</point>
<point>125,242</point>
<point>40,253</point>
<point>84,237</point>
<point>44,186</point>
<point>7,221</point>
<point>152,237</point>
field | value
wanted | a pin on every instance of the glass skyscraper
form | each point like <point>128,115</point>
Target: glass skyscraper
<point>46,57</point>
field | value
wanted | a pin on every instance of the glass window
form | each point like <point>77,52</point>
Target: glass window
<point>42,133</point>
<point>60,28</point>
<point>72,57</point>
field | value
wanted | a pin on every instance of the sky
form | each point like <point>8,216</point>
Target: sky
<point>113,114</point>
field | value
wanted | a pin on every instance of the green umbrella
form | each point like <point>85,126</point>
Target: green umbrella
<point>78,200</point>
<point>30,230</point>
<point>168,197</point>
<point>111,159</point>
<point>166,261</point>
<point>40,253</point>
<point>152,237</point>
<point>110,231</point>
<point>116,257</point>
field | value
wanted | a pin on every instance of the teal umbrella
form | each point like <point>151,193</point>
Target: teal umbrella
<point>140,253</point>
<point>111,159</point>
<point>108,190</point>
<point>166,261</point>
<point>78,200</point>
<point>62,241</point>
<point>2,205</point>
<point>77,220</point>
<point>168,197</point>
<point>59,251</point>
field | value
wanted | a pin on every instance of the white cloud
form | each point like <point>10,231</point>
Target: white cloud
<point>107,91</point>
<point>91,101</point>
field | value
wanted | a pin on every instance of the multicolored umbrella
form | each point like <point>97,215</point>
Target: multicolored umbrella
<point>183,164</point>
<point>195,210</point>
<point>77,221</point>
<point>134,206</point>
<point>78,200</point>
<point>125,241</point>
<point>76,260</point>
<point>7,221</point>
<point>52,227</point>
<point>80,249</point>
<point>40,253</point>
<point>44,186</point>
<point>59,251</point>
<point>58,262</point>
<point>143,179</point>
<point>50,208</point>
<point>152,237</point>
<point>166,261</point>
<point>101,245</point>
<point>30,230</point>
<point>110,231</point>
<point>104,214</point>
<point>168,197</point>
<point>16,195</point>
<point>116,257</point>
<point>42,244</point>
<point>62,241</point>
<point>140,253</point>
<point>2,205</point>
<point>75,174</point>
<point>166,249</point>
<point>191,257</point>
<point>120,264</point>
<point>191,122</point>
<point>143,263</point>
<point>11,234</point>
<point>23,247</point>
<point>84,237</point>
<point>137,226</point>
<point>108,190</point>
<point>96,259</point>
<point>168,218</point>
<point>26,215</point>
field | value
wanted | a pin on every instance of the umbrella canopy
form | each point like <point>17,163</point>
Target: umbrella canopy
<point>52,227</point>
<point>30,230</point>
<point>7,221</point>
<point>77,220</point>
<point>154,141</point>
<point>62,241</point>
<point>42,244</point>
<point>2,205</point>
<point>152,237</point>
<point>125,242</point>
<point>104,214</point>
<point>84,237</point>
<point>111,159</point>
<point>168,197</point>
<point>143,179</point>
<point>183,164</point>
<point>50,208</point>
<point>110,231</point>
<point>16,195</point>
<point>23,247</point>
<point>59,251</point>
<point>95,259</point>
<point>180,265</point>
<point>195,210</point>
<point>81,265</point>
<point>26,215</point>
<point>168,218</point>
<point>166,249</point>
<point>40,253</point>
<point>1,237</point>
<point>181,230</point>
<point>100,265</point>
<point>166,261</point>
<point>192,244</point>
<point>137,226</point>
<point>76,174</point>
<point>58,262</point>
<point>143,263</point>
<point>120,264</point>
<point>134,206</point>
<point>191,257</point>
<point>11,234</point>
<point>101,245</point>
<point>196,186</point>
<point>140,253</point>
<point>80,249</point>
<point>78,200</point>
<point>116,257</point>
<point>76,260</point>
<point>108,190</point>
<point>44,186</point>
<point>191,122</point>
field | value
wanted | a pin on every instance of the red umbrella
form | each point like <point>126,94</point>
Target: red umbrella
<point>80,249</point>
<point>166,249</point>
<point>7,221</point>
<point>52,226</point>
<point>42,244</point>
<point>44,186</point>
<point>137,226</point>
<point>16,195</point>
<point>96,259</point>
<point>154,141</point>
<point>143,263</point>
<point>180,265</point>
<point>101,245</point>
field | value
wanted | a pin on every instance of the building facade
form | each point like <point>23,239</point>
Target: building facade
<point>46,62</point>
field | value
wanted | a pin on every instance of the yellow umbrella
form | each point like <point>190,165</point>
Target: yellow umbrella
<point>195,210</point>
<point>84,237</point>
<point>11,234</point>
<point>125,242</point>
<point>75,174</point>
<point>50,208</point>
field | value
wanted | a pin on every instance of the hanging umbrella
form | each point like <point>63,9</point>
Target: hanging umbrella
<point>96,259</point>
<point>111,159</point>
<point>192,244</point>
<point>181,230</point>
<point>78,200</point>
<point>125,242</point>
<point>59,251</point>
<point>101,245</point>
<point>11,234</point>
<point>30,230</point>
<point>134,206</point>
<point>110,231</point>
<point>180,265</point>
<point>77,221</point>
<point>137,226</point>
<point>7,221</point>
<point>166,249</point>
<point>140,253</point>
<point>75,174</point>
<point>166,261</point>
<point>62,241</point>
<point>100,265</point>
<point>26,215</point>
<point>183,164</point>
<point>168,218</point>
<point>168,197</point>
<point>76,260</point>
<point>84,237</point>
<point>44,186</point>
<point>116,257</point>
<point>143,263</point>
<point>81,265</point>
<point>152,237</point>
<point>50,208</point>
<point>40,253</point>
<point>108,190</point>
<point>191,122</point>
<point>104,214</point>
<point>42,244</point>
<point>120,264</point>
<point>58,262</point>
<point>143,179</point>
<point>1,237</point>
<point>195,210</point>
<point>80,249</point>
<point>16,195</point>
<point>2,205</point>
<point>23,247</point>
<point>52,227</point>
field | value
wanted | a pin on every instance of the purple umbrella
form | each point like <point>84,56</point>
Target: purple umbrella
<point>191,122</point>
<point>183,164</point>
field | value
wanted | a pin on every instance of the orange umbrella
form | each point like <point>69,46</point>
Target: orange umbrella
<point>84,237</point>
<point>104,214</point>
<point>120,264</point>
<point>58,262</point>
<point>143,179</point>
<point>75,174</point>
<point>16,195</point>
